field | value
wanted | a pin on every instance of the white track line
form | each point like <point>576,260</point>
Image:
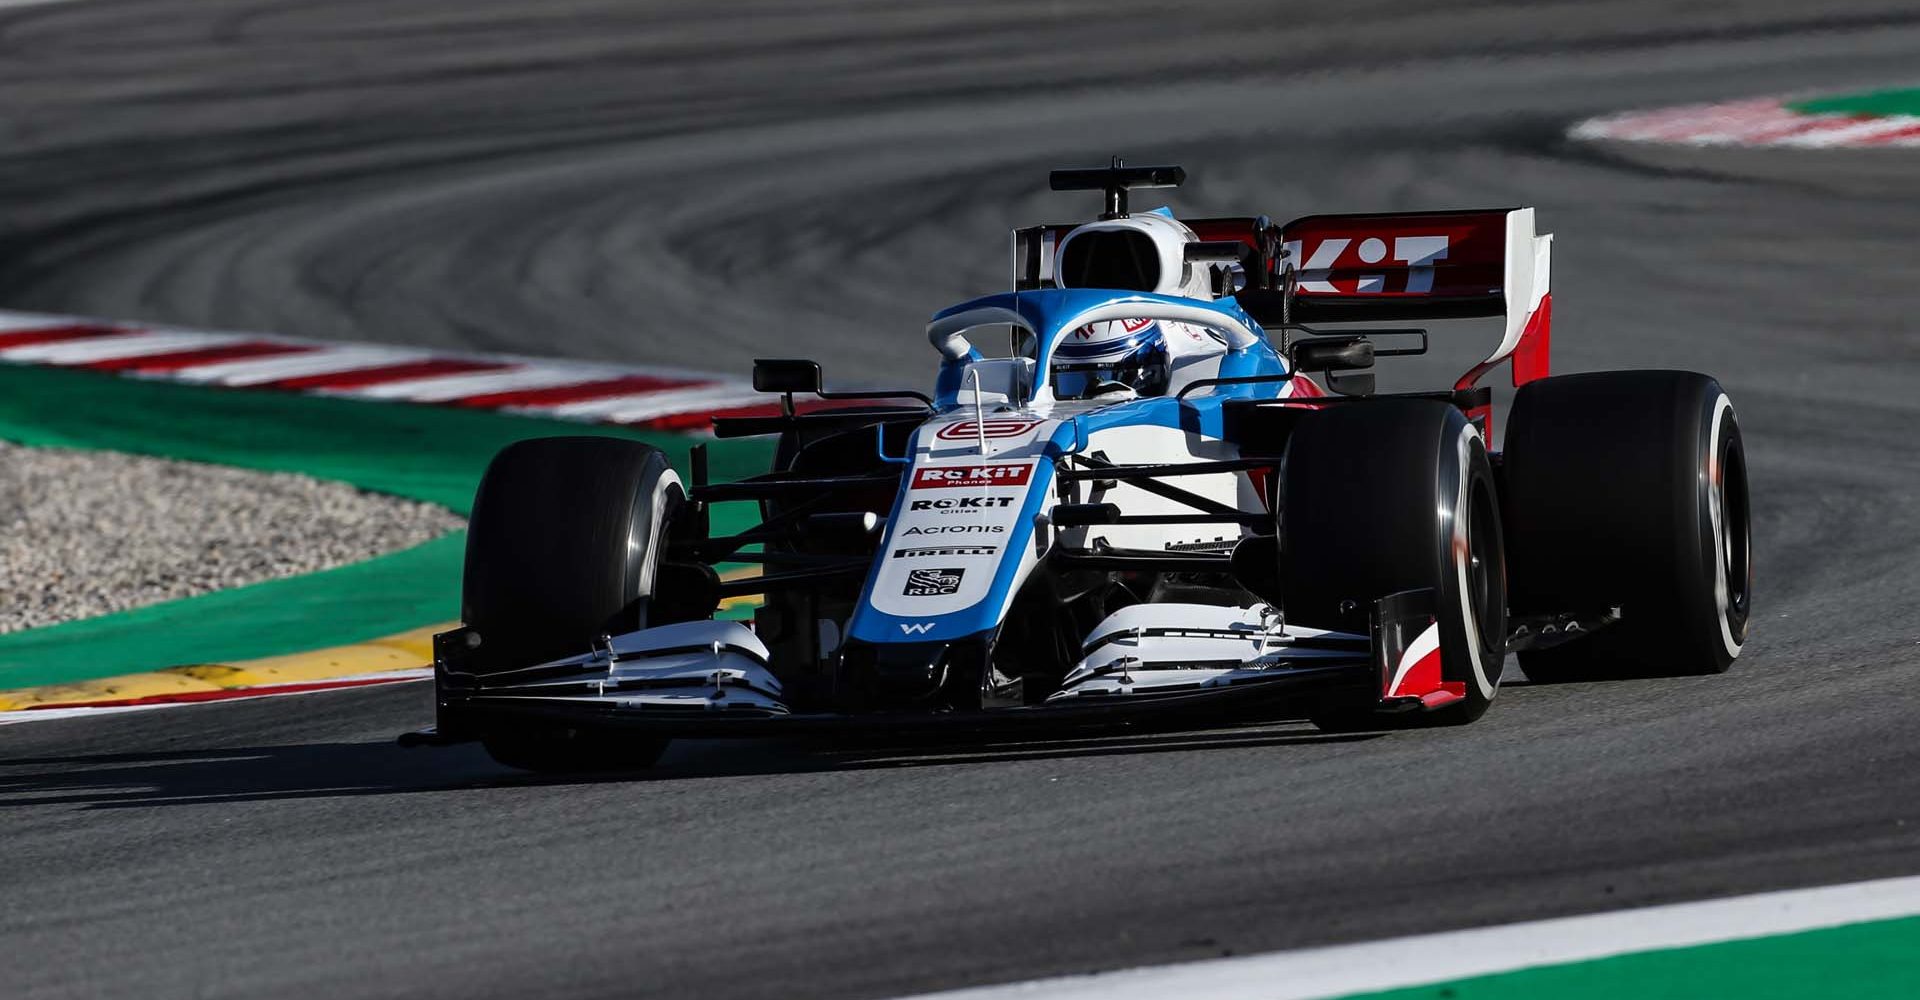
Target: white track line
<point>686,394</point>
<point>717,400</point>
<point>316,361</point>
<point>1434,958</point>
<point>634,406</point>
<point>1762,122</point>
<point>1858,132</point>
<point>133,344</point>
<point>440,388</point>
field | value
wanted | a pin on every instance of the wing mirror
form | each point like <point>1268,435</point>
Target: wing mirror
<point>1347,358</point>
<point>791,375</point>
<point>1335,355</point>
<point>786,375</point>
<point>1343,354</point>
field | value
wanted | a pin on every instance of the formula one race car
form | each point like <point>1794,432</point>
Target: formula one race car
<point>1144,508</point>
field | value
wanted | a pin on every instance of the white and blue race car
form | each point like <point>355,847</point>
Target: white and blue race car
<point>1142,505</point>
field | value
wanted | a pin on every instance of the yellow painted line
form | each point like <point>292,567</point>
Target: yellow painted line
<point>744,600</point>
<point>394,652</point>
<point>123,688</point>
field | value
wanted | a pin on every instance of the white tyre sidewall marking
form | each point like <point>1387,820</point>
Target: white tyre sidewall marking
<point>1462,513</point>
<point>1716,474</point>
<point>650,561</point>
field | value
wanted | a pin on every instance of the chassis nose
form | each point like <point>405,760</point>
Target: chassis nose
<point>956,674</point>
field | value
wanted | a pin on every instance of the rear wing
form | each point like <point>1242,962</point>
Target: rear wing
<point>1371,268</point>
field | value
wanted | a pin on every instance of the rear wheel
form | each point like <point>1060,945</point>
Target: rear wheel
<point>1388,496</point>
<point>1629,490</point>
<point>564,545</point>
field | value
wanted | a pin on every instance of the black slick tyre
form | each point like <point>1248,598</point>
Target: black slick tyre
<point>560,750</point>
<point>1388,496</point>
<point>564,544</point>
<point>1628,490</point>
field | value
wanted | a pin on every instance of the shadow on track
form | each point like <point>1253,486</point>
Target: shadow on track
<point>328,770</point>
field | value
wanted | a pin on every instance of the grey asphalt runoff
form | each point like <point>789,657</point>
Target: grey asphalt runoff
<point>85,533</point>
<point>683,183</point>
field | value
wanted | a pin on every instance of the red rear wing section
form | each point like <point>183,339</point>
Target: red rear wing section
<point>1367,264</point>
<point>1379,268</point>
<point>1425,265</point>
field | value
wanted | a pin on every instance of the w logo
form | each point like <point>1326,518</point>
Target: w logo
<point>916,628</point>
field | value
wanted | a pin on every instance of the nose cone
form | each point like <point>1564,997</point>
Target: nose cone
<point>873,677</point>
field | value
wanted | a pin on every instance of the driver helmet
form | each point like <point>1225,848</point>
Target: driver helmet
<point>1109,357</point>
<point>1142,253</point>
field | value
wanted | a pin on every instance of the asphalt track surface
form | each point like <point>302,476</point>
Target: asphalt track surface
<point>686,185</point>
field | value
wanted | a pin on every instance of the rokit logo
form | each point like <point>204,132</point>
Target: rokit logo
<point>992,430</point>
<point>1337,265</point>
<point>941,477</point>
<point>961,503</point>
<point>957,529</point>
<point>933,582</point>
<point>946,550</point>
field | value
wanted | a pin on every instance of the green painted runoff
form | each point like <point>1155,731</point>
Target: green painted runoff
<point>1870,961</point>
<point>1876,102</point>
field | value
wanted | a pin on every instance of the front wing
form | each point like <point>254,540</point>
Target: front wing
<point>712,679</point>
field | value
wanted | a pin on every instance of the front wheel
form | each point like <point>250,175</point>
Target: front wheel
<point>565,544</point>
<point>558,750</point>
<point>1390,496</point>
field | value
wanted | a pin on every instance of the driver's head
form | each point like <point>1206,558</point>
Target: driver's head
<point>1111,357</point>
<point>1135,253</point>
